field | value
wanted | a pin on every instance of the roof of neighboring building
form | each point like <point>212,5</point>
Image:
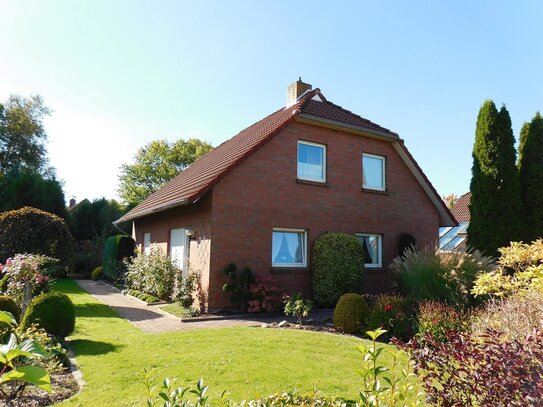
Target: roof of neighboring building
<point>197,179</point>
<point>451,238</point>
<point>460,209</point>
<point>77,205</point>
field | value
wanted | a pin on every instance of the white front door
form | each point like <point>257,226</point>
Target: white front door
<point>178,246</point>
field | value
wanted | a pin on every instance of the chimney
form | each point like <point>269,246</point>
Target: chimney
<point>72,202</point>
<point>295,90</point>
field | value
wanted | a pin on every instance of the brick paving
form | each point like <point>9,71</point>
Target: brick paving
<point>151,319</point>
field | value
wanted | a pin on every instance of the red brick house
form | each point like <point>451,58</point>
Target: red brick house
<point>261,198</point>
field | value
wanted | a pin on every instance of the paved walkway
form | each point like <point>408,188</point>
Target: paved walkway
<point>151,319</point>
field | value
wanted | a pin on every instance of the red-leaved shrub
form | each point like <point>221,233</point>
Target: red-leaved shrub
<point>265,295</point>
<point>480,370</point>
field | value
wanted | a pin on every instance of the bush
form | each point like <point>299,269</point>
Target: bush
<point>393,314</point>
<point>26,270</point>
<point>116,248</point>
<point>480,370</point>
<point>437,319</point>
<point>9,305</point>
<point>338,267</point>
<point>52,311</point>
<point>148,298</point>
<point>153,274</point>
<point>266,295</point>
<point>30,230</point>
<point>97,273</point>
<point>298,307</point>
<point>239,284</point>
<point>515,317</point>
<point>350,313</point>
<point>441,276</point>
<point>520,269</point>
<point>88,255</point>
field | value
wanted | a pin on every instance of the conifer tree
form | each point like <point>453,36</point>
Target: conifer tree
<point>531,177</point>
<point>495,201</point>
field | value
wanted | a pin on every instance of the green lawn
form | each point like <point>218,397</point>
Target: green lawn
<point>248,362</point>
<point>174,309</point>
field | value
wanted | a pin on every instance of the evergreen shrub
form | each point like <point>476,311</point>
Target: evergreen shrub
<point>97,273</point>
<point>8,304</point>
<point>116,248</point>
<point>338,267</point>
<point>30,230</point>
<point>52,311</point>
<point>350,313</point>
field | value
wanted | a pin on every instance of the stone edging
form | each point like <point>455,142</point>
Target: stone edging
<point>74,369</point>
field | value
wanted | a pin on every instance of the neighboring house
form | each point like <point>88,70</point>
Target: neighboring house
<point>451,238</point>
<point>73,205</point>
<point>261,199</point>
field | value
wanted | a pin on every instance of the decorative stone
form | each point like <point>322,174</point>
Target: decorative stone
<point>264,326</point>
<point>282,324</point>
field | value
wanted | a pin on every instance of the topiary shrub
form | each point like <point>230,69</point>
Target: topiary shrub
<point>30,230</point>
<point>52,311</point>
<point>338,267</point>
<point>350,313</point>
<point>9,305</point>
<point>116,248</point>
<point>97,273</point>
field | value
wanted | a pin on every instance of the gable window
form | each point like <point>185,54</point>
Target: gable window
<point>373,249</point>
<point>146,243</point>
<point>311,161</point>
<point>373,172</point>
<point>289,248</point>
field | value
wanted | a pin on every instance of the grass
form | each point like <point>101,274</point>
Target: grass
<point>248,362</point>
<point>174,309</point>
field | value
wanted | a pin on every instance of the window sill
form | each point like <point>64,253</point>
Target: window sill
<point>290,270</point>
<point>316,183</point>
<point>375,191</point>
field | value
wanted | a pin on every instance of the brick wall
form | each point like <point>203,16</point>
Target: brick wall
<point>263,193</point>
<point>196,217</point>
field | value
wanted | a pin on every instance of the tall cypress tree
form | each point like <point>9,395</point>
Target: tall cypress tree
<point>495,191</point>
<point>531,177</point>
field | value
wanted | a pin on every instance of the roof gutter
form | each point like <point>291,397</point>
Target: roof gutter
<point>128,217</point>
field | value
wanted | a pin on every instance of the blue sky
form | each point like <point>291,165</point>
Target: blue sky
<point>119,74</point>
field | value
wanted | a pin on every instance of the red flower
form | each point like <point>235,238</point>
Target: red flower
<point>388,307</point>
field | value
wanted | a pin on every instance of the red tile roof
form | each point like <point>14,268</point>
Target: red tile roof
<point>197,179</point>
<point>460,209</point>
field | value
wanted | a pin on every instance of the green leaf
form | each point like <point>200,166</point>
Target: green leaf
<point>35,375</point>
<point>7,317</point>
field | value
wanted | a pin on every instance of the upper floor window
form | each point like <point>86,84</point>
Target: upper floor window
<point>373,249</point>
<point>311,161</point>
<point>373,172</point>
<point>289,248</point>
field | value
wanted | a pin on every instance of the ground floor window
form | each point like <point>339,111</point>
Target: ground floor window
<point>147,243</point>
<point>289,247</point>
<point>373,249</point>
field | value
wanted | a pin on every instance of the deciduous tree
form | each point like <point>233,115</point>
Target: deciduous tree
<point>155,164</point>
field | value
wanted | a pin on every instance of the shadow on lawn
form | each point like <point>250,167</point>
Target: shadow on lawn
<point>94,310</point>
<point>92,348</point>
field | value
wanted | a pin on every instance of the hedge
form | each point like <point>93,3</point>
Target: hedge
<point>116,248</point>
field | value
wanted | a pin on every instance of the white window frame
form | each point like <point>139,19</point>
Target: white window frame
<point>309,143</point>
<point>147,243</point>
<point>383,171</point>
<point>304,248</point>
<point>379,237</point>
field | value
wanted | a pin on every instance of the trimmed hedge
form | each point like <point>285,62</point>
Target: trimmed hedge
<point>9,305</point>
<point>116,248</point>
<point>31,230</point>
<point>350,313</point>
<point>338,267</point>
<point>97,273</point>
<point>148,298</point>
<point>52,311</point>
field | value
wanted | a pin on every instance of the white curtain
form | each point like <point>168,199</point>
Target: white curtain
<point>287,247</point>
<point>276,246</point>
<point>294,244</point>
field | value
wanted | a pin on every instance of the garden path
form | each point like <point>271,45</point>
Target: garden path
<point>151,319</point>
